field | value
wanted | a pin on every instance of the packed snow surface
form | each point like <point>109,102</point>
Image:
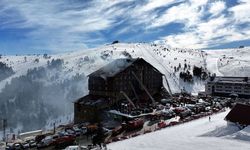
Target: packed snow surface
<point>198,134</point>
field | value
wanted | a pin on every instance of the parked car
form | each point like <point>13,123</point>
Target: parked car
<point>147,110</point>
<point>165,101</point>
<point>63,141</point>
<point>168,113</point>
<point>84,130</point>
<point>167,105</point>
<point>200,107</point>
<point>173,123</point>
<point>32,143</point>
<point>10,146</point>
<point>135,113</point>
<point>71,131</point>
<point>185,113</point>
<point>77,147</point>
<point>118,130</point>
<point>46,142</point>
<point>208,108</point>
<point>135,124</point>
<point>162,124</point>
<point>178,110</point>
<point>218,105</point>
<point>25,145</point>
<point>18,146</point>
<point>78,131</point>
<point>106,131</point>
<point>192,107</point>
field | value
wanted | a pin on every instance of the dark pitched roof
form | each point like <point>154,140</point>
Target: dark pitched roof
<point>115,67</point>
<point>93,100</point>
<point>239,114</point>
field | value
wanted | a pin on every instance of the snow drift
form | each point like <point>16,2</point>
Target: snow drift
<point>198,134</point>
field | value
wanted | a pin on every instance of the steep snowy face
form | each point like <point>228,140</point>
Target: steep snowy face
<point>43,87</point>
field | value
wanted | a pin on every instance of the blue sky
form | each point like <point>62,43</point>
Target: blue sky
<point>45,26</point>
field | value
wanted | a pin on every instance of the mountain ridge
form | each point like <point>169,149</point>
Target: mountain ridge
<point>55,81</point>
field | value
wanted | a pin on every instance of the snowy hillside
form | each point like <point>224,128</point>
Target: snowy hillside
<point>43,87</point>
<point>198,134</point>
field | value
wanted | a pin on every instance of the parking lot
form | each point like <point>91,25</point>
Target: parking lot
<point>129,122</point>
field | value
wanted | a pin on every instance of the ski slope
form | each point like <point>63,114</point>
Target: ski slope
<point>229,62</point>
<point>222,62</point>
<point>198,134</point>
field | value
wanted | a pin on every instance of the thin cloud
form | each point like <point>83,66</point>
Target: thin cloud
<point>199,32</point>
<point>217,7</point>
<point>64,25</point>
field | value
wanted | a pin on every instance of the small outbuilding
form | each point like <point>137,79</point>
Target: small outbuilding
<point>240,114</point>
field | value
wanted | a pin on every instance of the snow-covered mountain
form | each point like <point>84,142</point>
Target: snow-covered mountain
<point>43,87</point>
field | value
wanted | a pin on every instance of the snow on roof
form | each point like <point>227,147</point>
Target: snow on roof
<point>116,67</point>
<point>113,68</point>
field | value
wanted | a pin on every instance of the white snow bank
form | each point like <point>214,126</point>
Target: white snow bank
<point>198,134</point>
<point>243,134</point>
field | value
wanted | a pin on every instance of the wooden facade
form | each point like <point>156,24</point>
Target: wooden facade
<point>126,81</point>
<point>110,80</point>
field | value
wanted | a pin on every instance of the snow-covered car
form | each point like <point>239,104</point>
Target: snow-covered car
<point>76,147</point>
<point>208,108</point>
<point>25,145</point>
